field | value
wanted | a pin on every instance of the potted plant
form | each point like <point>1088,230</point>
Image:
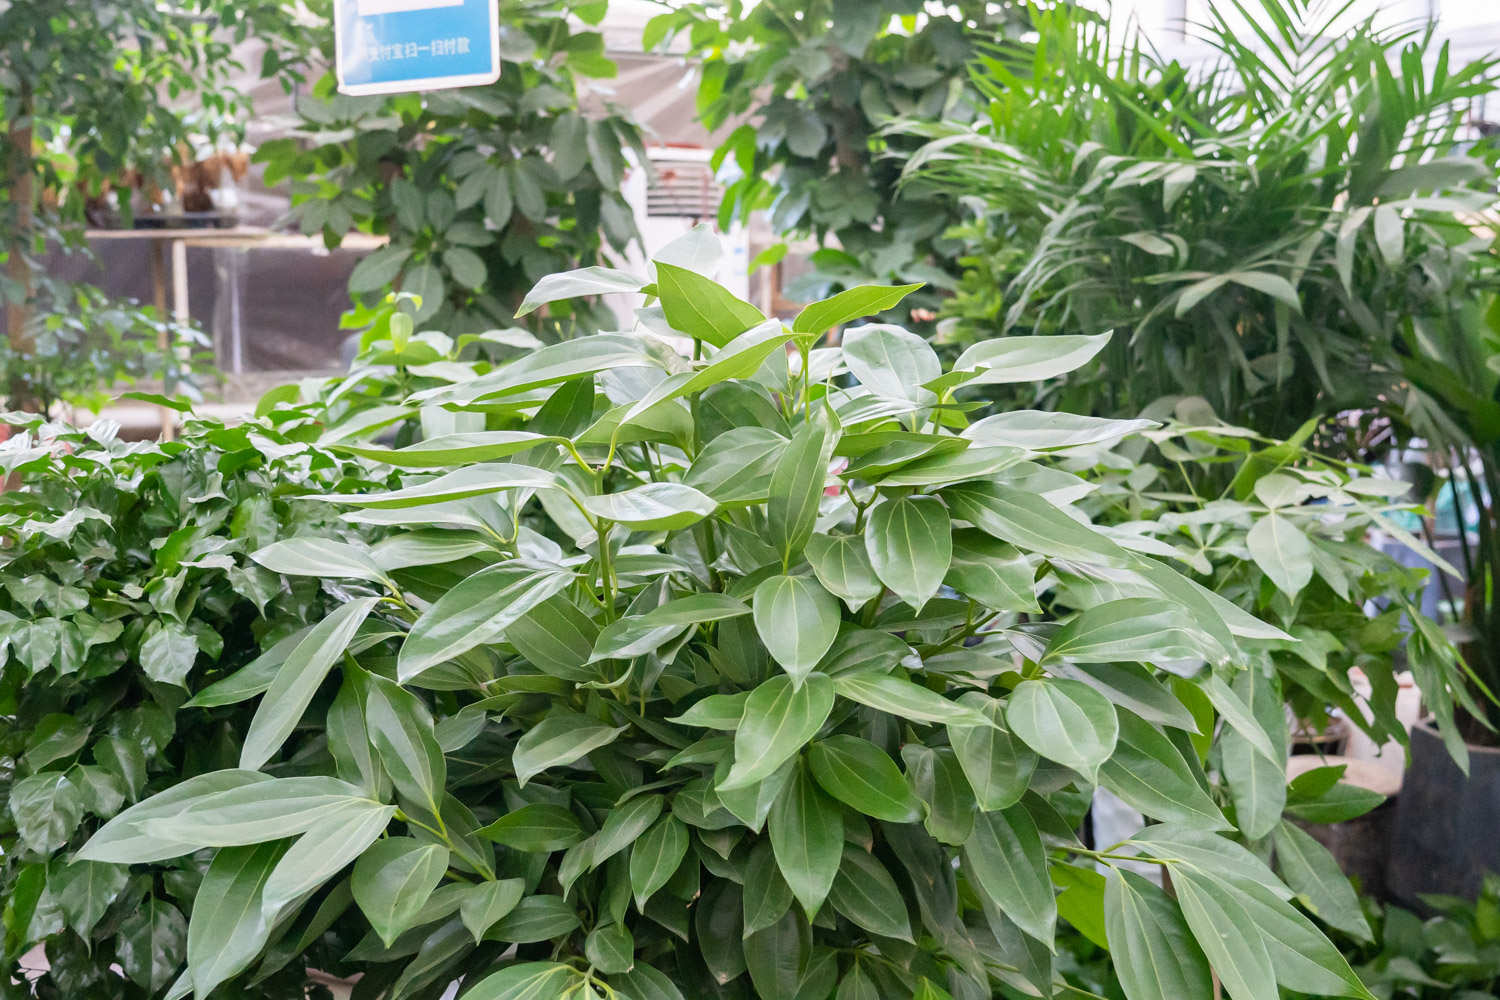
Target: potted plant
<point>1449,799</point>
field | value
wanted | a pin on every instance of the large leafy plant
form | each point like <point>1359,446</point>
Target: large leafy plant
<point>742,670</point>
<point>482,191</point>
<point>1263,236</point>
<point>124,575</point>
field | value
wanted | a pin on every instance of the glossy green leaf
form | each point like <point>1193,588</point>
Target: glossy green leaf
<point>122,840</point>
<point>445,450</point>
<point>1153,950</point>
<point>1150,774</point>
<point>1221,928</point>
<point>992,572</point>
<point>393,880</point>
<point>767,897</point>
<point>655,857</point>
<point>702,308</point>
<point>904,699</point>
<point>797,620</point>
<point>1028,359</point>
<point>864,892</point>
<point>84,890</point>
<point>340,835</point>
<point>527,981</point>
<point>484,905</point>
<point>623,827</point>
<point>471,481</point>
<point>152,944</point>
<point>402,732</point>
<point>538,827</point>
<point>1005,859</point>
<point>1282,551</point>
<point>1064,721</point>
<point>1142,629</point>
<point>319,557</point>
<point>850,304</point>
<point>863,777</point>
<point>1030,522</point>
<point>559,740</point>
<point>475,612</point>
<point>910,545</point>
<point>610,949</point>
<point>1304,959</point>
<point>535,918</point>
<point>1314,875</point>
<point>807,836</point>
<point>1257,785</point>
<point>227,927</point>
<point>572,284</point>
<point>249,813</point>
<point>998,765</point>
<point>797,487</point>
<point>843,568</point>
<point>652,507</point>
<point>298,680</point>
<point>891,362</point>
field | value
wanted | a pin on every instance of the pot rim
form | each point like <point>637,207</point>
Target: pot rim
<point>1425,724</point>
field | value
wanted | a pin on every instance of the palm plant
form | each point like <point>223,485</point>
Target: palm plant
<point>1260,234</point>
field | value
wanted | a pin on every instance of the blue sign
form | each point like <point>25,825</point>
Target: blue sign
<point>390,46</point>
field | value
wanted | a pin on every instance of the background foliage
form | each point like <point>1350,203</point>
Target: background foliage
<point>1270,238</point>
<point>481,190</point>
<point>818,85</point>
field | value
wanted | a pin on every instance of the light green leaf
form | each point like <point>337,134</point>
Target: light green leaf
<point>471,481</point>
<point>797,620</point>
<point>476,611</point>
<point>767,897</point>
<point>559,740</point>
<point>227,928</point>
<point>1151,946</point>
<point>340,835</point>
<point>249,814</point>
<point>904,700</point>
<point>992,572</point>
<point>451,449</point>
<point>842,566</point>
<point>891,362</point>
<point>863,777</point>
<point>298,680</point>
<point>1028,359</point>
<point>1142,629</point>
<point>1031,523</point>
<point>702,308</point>
<point>851,304</point>
<point>318,557</point>
<point>122,841</point>
<point>1314,875</point>
<point>652,507</point>
<point>717,711</point>
<point>797,486</point>
<point>484,905</point>
<point>1064,721</point>
<point>403,734</point>
<point>807,836</point>
<point>910,545</point>
<point>535,918</point>
<point>1282,551</point>
<point>610,948</point>
<point>528,981</point>
<point>1257,784</point>
<point>1150,774</point>
<point>780,718</point>
<point>1039,430</point>
<point>998,765</point>
<point>1305,961</point>
<point>735,468</point>
<point>1224,931</point>
<point>572,284</point>
<point>393,880</point>
<point>1240,717</point>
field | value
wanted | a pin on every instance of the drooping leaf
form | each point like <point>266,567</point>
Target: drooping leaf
<point>393,880</point>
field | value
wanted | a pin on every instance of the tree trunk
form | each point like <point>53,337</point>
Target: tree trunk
<point>22,195</point>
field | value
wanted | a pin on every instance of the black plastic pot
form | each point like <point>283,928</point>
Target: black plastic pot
<point>1447,831</point>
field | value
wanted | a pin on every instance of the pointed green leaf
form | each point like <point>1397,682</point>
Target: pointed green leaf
<point>1152,948</point>
<point>807,836</point>
<point>538,827</point>
<point>1064,721</point>
<point>559,740</point>
<point>402,732</point>
<point>702,308</point>
<point>864,892</point>
<point>851,304</point>
<point>863,777</point>
<point>797,620</point>
<point>656,856</point>
<point>910,544</point>
<point>484,905</point>
<point>393,880</point>
<point>1005,859</point>
<point>227,927</point>
<point>998,765</point>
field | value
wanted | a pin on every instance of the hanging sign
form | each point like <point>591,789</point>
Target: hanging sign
<point>392,46</point>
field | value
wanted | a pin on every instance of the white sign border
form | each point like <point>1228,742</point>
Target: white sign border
<point>418,85</point>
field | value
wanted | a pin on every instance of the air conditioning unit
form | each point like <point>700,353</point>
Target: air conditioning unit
<point>676,193</point>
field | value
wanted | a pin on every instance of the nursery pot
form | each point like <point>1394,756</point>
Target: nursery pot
<point>1447,831</point>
